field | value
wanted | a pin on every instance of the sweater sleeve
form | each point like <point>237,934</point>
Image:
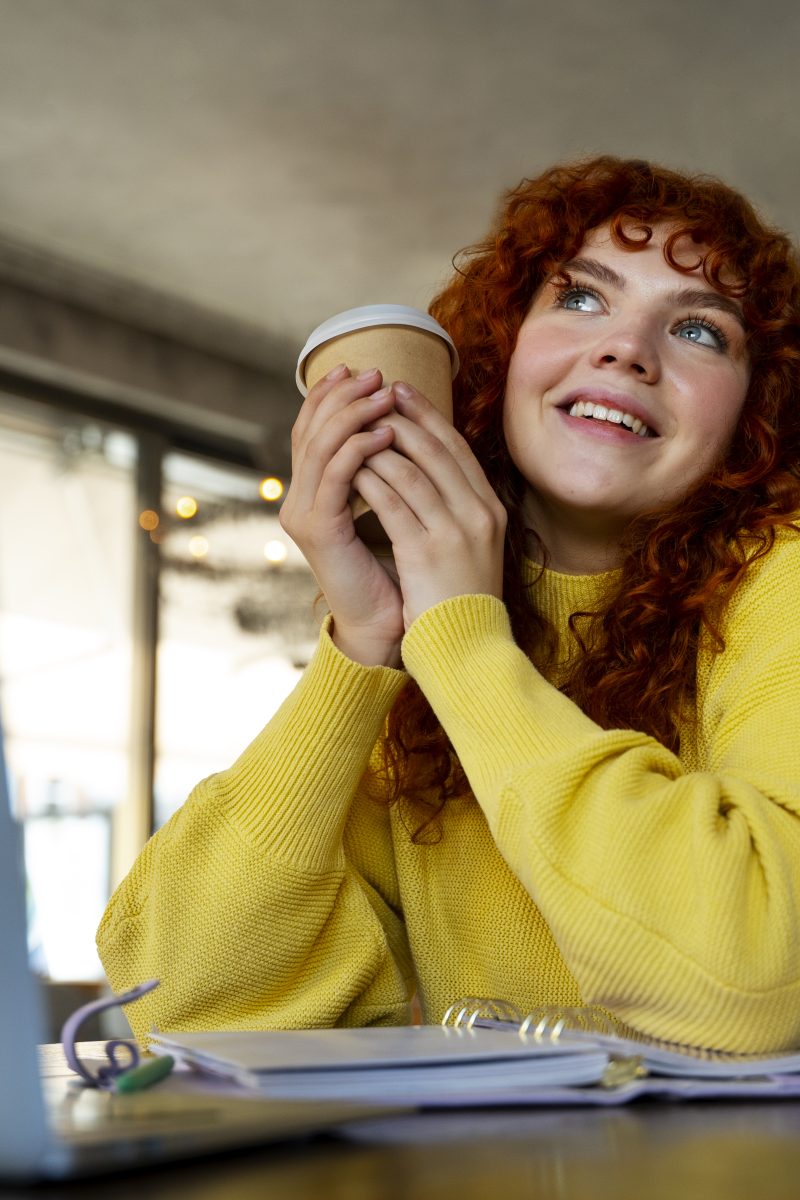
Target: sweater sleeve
<point>673,895</point>
<point>270,900</point>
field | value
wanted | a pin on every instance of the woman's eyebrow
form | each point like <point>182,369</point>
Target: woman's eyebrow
<point>706,298</point>
<point>597,270</point>
<point>684,297</point>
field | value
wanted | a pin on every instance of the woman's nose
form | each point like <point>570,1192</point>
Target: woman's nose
<point>631,349</point>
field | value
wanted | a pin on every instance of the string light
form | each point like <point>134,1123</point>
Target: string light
<point>148,519</point>
<point>270,489</point>
<point>186,507</point>
<point>275,551</point>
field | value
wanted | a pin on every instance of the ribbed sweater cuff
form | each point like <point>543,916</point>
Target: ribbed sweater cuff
<point>494,705</point>
<point>291,790</point>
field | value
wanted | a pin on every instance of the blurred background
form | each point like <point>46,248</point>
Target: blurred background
<point>187,187</point>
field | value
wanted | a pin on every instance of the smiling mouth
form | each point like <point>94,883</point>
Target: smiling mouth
<point>611,415</point>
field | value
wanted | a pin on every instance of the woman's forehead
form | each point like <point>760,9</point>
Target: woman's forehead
<point>686,252</point>
<point>680,255</point>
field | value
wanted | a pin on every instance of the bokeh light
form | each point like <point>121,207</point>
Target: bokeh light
<point>275,551</point>
<point>270,488</point>
<point>198,546</point>
<point>148,519</point>
<point>186,507</point>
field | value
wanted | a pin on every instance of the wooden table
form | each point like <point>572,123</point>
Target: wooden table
<point>646,1151</point>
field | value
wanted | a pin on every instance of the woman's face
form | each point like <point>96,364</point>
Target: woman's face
<point>624,389</point>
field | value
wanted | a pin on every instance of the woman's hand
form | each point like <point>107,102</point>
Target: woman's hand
<point>330,444</point>
<point>429,492</point>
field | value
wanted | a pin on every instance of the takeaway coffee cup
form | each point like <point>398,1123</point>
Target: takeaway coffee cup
<point>404,343</point>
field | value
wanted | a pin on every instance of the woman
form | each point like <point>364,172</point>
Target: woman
<point>582,784</point>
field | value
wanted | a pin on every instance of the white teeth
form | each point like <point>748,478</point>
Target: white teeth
<point>599,412</point>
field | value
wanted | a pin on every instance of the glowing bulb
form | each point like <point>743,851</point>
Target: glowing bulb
<point>186,507</point>
<point>198,547</point>
<point>270,488</point>
<point>275,551</point>
<point>148,519</point>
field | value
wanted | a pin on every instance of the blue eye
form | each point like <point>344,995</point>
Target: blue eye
<point>580,299</point>
<point>703,332</point>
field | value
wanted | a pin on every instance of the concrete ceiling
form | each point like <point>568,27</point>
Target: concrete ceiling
<point>273,162</point>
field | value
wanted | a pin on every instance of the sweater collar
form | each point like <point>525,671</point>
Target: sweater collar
<point>557,596</point>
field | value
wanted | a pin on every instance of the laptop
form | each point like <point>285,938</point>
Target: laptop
<point>50,1128</point>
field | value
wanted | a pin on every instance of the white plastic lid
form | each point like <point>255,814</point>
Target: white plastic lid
<point>363,318</point>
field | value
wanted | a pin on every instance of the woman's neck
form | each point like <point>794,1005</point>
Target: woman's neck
<point>587,546</point>
<point>576,541</point>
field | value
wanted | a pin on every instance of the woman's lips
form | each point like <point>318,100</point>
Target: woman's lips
<point>603,430</point>
<point>608,400</point>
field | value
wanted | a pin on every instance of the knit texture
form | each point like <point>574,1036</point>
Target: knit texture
<point>589,866</point>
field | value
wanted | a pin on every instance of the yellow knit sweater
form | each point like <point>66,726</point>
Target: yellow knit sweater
<point>591,866</point>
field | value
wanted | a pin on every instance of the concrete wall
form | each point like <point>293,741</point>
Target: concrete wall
<point>135,356</point>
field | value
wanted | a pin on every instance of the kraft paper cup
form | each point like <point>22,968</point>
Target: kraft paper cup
<point>403,343</point>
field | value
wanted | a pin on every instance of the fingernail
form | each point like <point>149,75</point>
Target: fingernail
<point>366,374</point>
<point>381,394</point>
<point>337,371</point>
<point>403,391</point>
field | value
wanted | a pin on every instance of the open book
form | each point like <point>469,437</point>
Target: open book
<point>485,1053</point>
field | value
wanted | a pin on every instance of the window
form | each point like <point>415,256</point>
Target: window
<point>236,620</point>
<point>236,624</point>
<point>66,520</point>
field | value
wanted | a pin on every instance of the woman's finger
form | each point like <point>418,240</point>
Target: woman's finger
<point>325,438</point>
<point>315,395</point>
<point>338,478</point>
<point>408,494</point>
<point>435,483</point>
<point>411,404</point>
<point>330,394</point>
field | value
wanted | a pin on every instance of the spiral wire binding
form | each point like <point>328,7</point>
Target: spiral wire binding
<point>464,1013</point>
<point>542,1024</point>
<point>549,1023</point>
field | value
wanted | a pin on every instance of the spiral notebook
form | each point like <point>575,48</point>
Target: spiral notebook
<point>594,1028</point>
<point>484,1053</point>
<point>637,1066</point>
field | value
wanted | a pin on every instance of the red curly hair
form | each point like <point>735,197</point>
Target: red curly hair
<point>636,669</point>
